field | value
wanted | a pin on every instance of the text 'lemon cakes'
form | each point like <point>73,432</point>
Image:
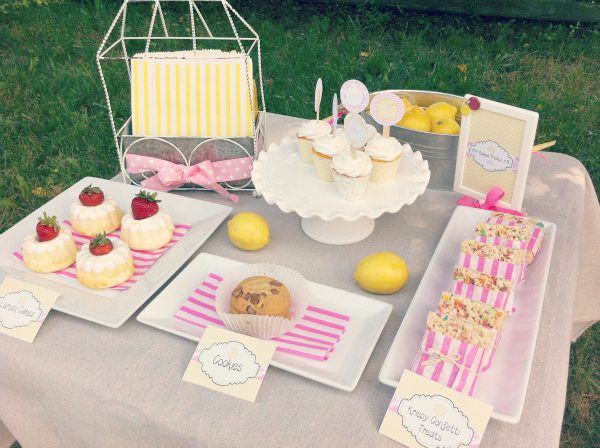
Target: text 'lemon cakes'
<point>51,249</point>
<point>104,262</point>
<point>94,213</point>
<point>146,227</point>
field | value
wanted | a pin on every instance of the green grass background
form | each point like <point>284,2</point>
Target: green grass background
<point>54,128</point>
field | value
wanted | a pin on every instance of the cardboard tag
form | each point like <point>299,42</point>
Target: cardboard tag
<point>387,108</point>
<point>230,363</point>
<point>356,131</point>
<point>426,414</point>
<point>354,95</point>
<point>23,308</point>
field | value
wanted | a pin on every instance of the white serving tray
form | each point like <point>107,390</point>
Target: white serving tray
<point>108,306</point>
<point>346,363</point>
<point>504,385</point>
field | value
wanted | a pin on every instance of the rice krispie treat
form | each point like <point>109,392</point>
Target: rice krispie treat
<point>519,232</point>
<point>473,277</point>
<point>452,306</point>
<point>500,253</point>
<point>462,330</point>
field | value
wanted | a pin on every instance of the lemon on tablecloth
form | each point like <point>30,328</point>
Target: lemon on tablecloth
<point>381,273</point>
<point>248,231</point>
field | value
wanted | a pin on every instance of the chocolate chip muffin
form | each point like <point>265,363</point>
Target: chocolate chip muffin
<point>262,296</point>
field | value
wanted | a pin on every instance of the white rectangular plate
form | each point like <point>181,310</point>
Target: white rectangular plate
<point>108,306</point>
<point>344,366</point>
<point>504,385</point>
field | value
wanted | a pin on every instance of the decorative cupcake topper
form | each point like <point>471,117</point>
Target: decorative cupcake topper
<point>387,109</point>
<point>318,95</point>
<point>356,131</point>
<point>334,115</point>
<point>354,95</point>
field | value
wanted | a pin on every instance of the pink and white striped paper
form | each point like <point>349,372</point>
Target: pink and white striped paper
<point>503,269</point>
<point>497,299</point>
<point>142,259</point>
<point>537,234</point>
<point>315,337</point>
<point>461,376</point>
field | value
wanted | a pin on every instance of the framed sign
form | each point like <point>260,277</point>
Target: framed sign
<point>494,150</point>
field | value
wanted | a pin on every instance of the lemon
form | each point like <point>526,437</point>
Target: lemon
<point>445,126</point>
<point>441,110</point>
<point>415,119</point>
<point>381,273</point>
<point>248,231</point>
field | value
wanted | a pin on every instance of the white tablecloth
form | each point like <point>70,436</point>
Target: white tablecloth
<point>85,385</point>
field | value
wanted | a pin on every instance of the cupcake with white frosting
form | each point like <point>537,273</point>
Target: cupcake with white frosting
<point>386,153</point>
<point>307,133</point>
<point>351,173</point>
<point>324,149</point>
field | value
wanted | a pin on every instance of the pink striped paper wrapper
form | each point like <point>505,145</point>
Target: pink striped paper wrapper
<point>489,354</point>
<point>142,259</point>
<point>315,337</point>
<point>455,377</point>
<point>497,299</point>
<point>503,269</point>
<point>537,234</point>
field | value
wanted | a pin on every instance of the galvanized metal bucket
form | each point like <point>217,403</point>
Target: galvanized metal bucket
<point>438,149</point>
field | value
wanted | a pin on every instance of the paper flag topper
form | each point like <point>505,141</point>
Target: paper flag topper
<point>356,131</point>
<point>334,113</point>
<point>354,95</point>
<point>387,108</point>
<point>318,95</point>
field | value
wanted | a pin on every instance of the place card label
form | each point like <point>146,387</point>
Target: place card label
<point>424,413</point>
<point>23,308</point>
<point>229,362</point>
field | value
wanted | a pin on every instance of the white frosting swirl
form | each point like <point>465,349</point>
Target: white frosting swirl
<point>331,145</point>
<point>347,165</point>
<point>313,129</point>
<point>384,148</point>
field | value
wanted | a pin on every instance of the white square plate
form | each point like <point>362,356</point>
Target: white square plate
<point>504,385</point>
<point>346,363</point>
<point>108,306</point>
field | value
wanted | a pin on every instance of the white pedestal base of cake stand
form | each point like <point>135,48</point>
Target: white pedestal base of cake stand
<point>281,177</point>
<point>339,231</point>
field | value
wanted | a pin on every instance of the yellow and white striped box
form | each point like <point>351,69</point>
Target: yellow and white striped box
<point>192,94</point>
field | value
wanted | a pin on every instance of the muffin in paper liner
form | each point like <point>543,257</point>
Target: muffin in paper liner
<point>262,327</point>
<point>350,188</point>
<point>305,147</point>
<point>385,171</point>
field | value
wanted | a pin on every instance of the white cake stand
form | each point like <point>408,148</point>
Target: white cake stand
<point>283,179</point>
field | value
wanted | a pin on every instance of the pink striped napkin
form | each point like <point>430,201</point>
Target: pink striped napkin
<point>314,338</point>
<point>142,259</point>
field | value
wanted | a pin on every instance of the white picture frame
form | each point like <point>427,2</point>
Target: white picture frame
<point>494,149</point>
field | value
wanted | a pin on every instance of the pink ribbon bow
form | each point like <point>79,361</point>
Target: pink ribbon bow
<point>493,196</point>
<point>207,174</point>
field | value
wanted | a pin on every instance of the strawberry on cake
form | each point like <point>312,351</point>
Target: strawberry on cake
<point>51,248</point>
<point>94,213</point>
<point>104,262</point>
<point>146,227</point>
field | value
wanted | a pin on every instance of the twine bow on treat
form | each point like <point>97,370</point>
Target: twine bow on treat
<point>435,357</point>
<point>207,174</point>
<point>492,198</point>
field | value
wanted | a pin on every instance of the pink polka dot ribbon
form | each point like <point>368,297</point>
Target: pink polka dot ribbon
<point>207,174</point>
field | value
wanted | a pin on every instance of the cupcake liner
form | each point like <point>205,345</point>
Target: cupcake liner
<point>262,327</point>
<point>350,188</point>
<point>305,146</point>
<point>384,171</point>
<point>322,167</point>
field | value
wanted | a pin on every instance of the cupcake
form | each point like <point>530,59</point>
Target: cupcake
<point>306,134</point>
<point>261,300</point>
<point>386,153</point>
<point>324,149</point>
<point>351,173</point>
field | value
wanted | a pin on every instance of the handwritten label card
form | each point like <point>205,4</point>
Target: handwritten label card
<point>229,362</point>
<point>23,308</point>
<point>426,414</point>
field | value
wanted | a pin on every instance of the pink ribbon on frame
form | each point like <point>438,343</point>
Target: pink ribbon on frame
<point>207,174</point>
<point>493,196</point>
